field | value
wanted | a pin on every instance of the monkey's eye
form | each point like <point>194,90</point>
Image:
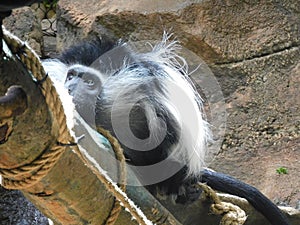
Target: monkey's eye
<point>89,82</point>
<point>71,74</point>
<point>70,77</point>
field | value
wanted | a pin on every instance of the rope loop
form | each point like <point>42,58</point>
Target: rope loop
<point>232,214</point>
<point>116,209</point>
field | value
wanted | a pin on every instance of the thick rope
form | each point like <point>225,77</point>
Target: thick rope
<point>36,170</point>
<point>116,209</point>
<point>27,175</point>
<point>232,214</point>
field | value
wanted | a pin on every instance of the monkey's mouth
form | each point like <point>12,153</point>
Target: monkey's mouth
<point>71,88</point>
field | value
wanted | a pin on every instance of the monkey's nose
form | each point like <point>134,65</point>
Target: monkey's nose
<point>71,87</point>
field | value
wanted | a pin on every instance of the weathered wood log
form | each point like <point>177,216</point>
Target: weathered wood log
<point>70,193</point>
<point>32,131</point>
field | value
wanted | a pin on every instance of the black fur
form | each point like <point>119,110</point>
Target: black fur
<point>139,127</point>
<point>91,50</point>
<point>85,54</point>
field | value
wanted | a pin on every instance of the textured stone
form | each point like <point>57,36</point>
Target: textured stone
<point>25,25</point>
<point>252,48</point>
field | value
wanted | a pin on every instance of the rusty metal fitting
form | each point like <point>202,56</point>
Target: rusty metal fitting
<point>12,104</point>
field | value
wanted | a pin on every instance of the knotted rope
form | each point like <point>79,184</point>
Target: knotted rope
<point>232,214</point>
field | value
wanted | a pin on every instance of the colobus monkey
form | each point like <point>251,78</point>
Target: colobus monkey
<point>84,84</point>
<point>150,105</point>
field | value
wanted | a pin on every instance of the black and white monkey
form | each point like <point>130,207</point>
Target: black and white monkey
<point>137,102</point>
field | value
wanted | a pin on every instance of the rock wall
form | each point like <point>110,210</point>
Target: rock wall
<point>252,48</point>
<point>25,25</point>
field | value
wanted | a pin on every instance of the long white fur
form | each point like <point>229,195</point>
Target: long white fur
<point>185,105</point>
<point>179,97</point>
<point>195,132</point>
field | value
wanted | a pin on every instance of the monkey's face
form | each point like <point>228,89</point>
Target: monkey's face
<point>83,80</point>
<point>84,84</point>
